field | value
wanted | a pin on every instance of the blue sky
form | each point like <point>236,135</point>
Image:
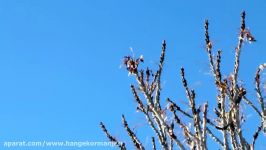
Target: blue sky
<point>59,60</point>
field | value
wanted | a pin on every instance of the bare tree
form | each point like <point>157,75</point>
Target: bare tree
<point>228,115</point>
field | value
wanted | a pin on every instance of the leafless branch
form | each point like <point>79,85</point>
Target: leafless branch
<point>228,120</point>
<point>153,143</point>
<point>121,145</point>
<point>132,135</point>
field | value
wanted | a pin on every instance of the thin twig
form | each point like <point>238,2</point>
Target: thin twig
<point>204,124</point>
<point>141,106</point>
<point>153,143</point>
<point>255,137</point>
<point>209,49</point>
<point>121,145</point>
<point>252,105</point>
<point>237,53</point>
<point>158,79</point>
<point>191,98</point>
<point>259,95</point>
<point>132,135</point>
<point>214,137</point>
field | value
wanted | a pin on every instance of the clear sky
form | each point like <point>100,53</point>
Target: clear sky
<point>60,61</point>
